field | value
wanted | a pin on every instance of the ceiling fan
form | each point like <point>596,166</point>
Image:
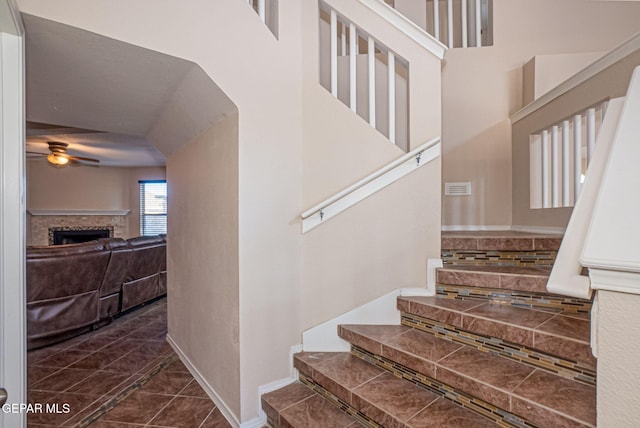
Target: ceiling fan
<point>58,155</point>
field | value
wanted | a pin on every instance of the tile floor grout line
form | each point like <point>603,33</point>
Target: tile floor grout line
<point>106,407</point>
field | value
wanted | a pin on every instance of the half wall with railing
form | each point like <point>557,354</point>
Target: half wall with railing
<point>555,138</point>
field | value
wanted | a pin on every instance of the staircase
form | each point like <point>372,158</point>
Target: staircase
<point>491,348</point>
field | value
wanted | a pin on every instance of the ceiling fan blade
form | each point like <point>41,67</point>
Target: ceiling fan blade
<point>82,158</point>
<point>37,153</point>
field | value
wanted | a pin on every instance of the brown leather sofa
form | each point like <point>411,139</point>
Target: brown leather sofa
<point>74,288</point>
<point>63,284</point>
<point>142,282</point>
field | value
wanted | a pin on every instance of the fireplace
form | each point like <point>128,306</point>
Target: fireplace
<point>74,235</point>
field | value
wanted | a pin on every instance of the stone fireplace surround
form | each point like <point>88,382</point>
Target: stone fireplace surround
<point>41,223</point>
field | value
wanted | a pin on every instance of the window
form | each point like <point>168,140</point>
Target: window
<point>153,207</point>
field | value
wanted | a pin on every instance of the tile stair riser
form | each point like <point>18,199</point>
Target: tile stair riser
<point>497,258</point>
<point>565,368</point>
<point>516,298</point>
<point>496,280</point>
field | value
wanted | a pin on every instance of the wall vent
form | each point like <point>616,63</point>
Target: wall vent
<point>457,189</point>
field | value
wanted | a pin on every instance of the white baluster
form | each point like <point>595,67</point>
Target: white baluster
<point>464,23</point>
<point>334,53</point>
<point>544,145</point>
<point>555,166</point>
<point>436,19</point>
<point>372,81</point>
<point>566,164</point>
<point>262,10</point>
<point>577,156</point>
<point>353,57</point>
<point>450,23</point>
<point>478,24</point>
<point>392,96</point>
<point>591,133</point>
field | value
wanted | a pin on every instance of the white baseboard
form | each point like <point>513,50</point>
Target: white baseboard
<point>219,402</point>
<point>472,228</point>
<point>539,229</point>
<point>432,265</point>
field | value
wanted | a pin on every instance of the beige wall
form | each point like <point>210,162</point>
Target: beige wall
<point>618,332</point>
<point>544,72</point>
<point>85,188</point>
<point>611,83</point>
<point>203,262</point>
<point>482,87</point>
<point>76,187</point>
<point>383,242</point>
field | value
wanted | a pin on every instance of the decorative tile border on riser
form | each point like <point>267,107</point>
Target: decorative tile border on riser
<point>498,258</point>
<point>347,408</point>
<point>565,368</point>
<point>499,416</point>
<point>521,299</point>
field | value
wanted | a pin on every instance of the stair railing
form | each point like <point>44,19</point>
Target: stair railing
<point>590,129</point>
<point>349,41</point>
<point>560,155</point>
<point>370,184</point>
<point>455,23</point>
<point>267,11</point>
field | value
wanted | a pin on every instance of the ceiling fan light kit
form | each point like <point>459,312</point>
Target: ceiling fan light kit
<point>59,155</point>
<point>57,160</point>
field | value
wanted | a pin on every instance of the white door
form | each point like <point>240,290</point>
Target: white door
<point>12,218</point>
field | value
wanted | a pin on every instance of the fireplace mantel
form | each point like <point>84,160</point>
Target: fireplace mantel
<point>79,212</point>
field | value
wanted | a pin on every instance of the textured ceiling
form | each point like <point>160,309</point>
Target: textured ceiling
<point>125,105</point>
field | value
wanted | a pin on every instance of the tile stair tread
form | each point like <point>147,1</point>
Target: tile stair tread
<point>381,396</point>
<point>491,378</point>
<point>538,329</point>
<point>296,405</point>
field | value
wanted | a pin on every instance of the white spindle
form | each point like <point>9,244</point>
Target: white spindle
<point>450,23</point>
<point>555,166</point>
<point>334,53</point>
<point>478,24</point>
<point>566,164</point>
<point>591,133</point>
<point>577,156</point>
<point>262,10</point>
<point>353,57</point>
<point>372,81</point>
<point>464,23</point>
<point>343,40</point>
<point>544,145</point>
<point>392,96</point>
<point>436,19</point>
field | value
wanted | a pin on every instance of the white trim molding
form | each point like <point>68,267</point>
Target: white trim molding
<point>12,214</point>
<point>217,400</point>
<point>617,54</point>
<point>408,27</point>
<point>371,184</point>
<point>540,229</point>
<point>79,212</point>
<point>611,280</point>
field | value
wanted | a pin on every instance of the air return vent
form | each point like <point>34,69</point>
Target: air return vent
<point>457,189</point>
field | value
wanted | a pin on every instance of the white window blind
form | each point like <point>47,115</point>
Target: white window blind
<point>153,207</point>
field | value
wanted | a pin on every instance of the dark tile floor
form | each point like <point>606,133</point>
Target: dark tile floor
<point>122,375</point>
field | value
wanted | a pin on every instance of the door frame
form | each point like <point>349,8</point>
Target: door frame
<point>12,215</point>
